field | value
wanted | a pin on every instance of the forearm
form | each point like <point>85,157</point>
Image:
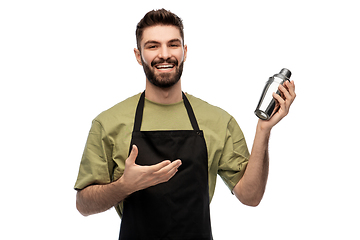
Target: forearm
<point>251,187</point>
<point>99,198</point>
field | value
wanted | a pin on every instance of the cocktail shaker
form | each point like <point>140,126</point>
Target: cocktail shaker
<point>266,107</point>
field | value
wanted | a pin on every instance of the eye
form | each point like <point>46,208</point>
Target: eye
<point>151,46</point>
<point>174,45</point>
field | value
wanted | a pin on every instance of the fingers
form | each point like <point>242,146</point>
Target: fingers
<point>139,177</point>
<point>279,99</point>
<point>287,97</point>
<point>157,167</point>
<point>170,167</point>
<point>163,171</point>
<point>133,155</point>
<point>288,90</point>
<point>292,88</point>
<point>284,92</point>
<point>284,102</point>
<point>167,172</point>
<point>166,164</point>
<point>166,167</point>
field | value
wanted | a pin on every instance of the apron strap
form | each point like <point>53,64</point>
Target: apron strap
<point>140,110</point>
<point>139,113</point>
<point>190,112</point>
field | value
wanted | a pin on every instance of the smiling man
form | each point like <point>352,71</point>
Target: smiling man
<point>155,156</point>
<point>161,52</point>
<point>162,70</point>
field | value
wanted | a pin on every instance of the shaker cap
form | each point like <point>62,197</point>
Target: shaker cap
<point>285,72</point>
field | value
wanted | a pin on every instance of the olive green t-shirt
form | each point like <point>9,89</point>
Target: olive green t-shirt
<point>108,143</point>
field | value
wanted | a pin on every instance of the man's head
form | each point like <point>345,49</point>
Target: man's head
<point>161,50</point>
<point>158,17</point>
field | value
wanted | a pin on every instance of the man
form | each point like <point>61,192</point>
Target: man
<point>155,156</point>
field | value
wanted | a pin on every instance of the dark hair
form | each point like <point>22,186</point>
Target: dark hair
<point>158,17</point>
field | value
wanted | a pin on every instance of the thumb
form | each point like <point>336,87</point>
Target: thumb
<point>133,154</point>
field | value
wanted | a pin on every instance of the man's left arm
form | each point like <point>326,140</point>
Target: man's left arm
<point>250,189</point>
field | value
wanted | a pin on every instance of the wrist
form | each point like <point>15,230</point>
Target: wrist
<point>263,127</point>
<point>122,187</point>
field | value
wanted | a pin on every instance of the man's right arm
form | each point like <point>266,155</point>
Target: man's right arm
<point>99,198</point>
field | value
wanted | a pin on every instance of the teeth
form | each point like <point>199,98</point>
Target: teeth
<point>164,66</point>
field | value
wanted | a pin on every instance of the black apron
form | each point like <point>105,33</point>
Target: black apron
<point>179,208</point>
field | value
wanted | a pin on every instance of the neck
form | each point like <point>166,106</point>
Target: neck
<point>163,95</point>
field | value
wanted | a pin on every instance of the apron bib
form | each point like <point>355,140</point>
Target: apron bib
<point>179,208</point>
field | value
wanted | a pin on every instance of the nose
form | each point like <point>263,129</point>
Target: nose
<point>164,52</point>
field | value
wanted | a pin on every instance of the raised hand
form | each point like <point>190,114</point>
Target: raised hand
<point>138,177</point>
<point>284,102</point>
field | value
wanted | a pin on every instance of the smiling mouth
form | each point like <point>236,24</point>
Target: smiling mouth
<point>165,66</point>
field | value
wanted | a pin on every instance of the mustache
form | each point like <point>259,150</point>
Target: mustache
<point>162,60</point>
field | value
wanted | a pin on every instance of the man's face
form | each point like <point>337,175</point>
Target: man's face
<point>162,55</point>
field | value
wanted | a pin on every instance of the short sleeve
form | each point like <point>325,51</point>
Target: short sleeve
<point>235,155</point>
<point>96,160</point>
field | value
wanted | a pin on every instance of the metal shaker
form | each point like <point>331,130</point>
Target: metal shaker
<point>266,107</point>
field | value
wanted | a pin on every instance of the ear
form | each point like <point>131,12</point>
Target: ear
<point>138,56</point>
<point>185,52</point>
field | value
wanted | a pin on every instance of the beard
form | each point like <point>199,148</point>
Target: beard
<point>163,80</point>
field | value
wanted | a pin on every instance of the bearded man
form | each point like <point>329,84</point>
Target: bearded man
<point>155,156</point>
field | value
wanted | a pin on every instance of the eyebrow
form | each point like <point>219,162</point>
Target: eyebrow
<point>175,40</point>
<point>156,42</point>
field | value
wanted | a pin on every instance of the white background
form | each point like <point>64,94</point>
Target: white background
<point>63,62</point>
